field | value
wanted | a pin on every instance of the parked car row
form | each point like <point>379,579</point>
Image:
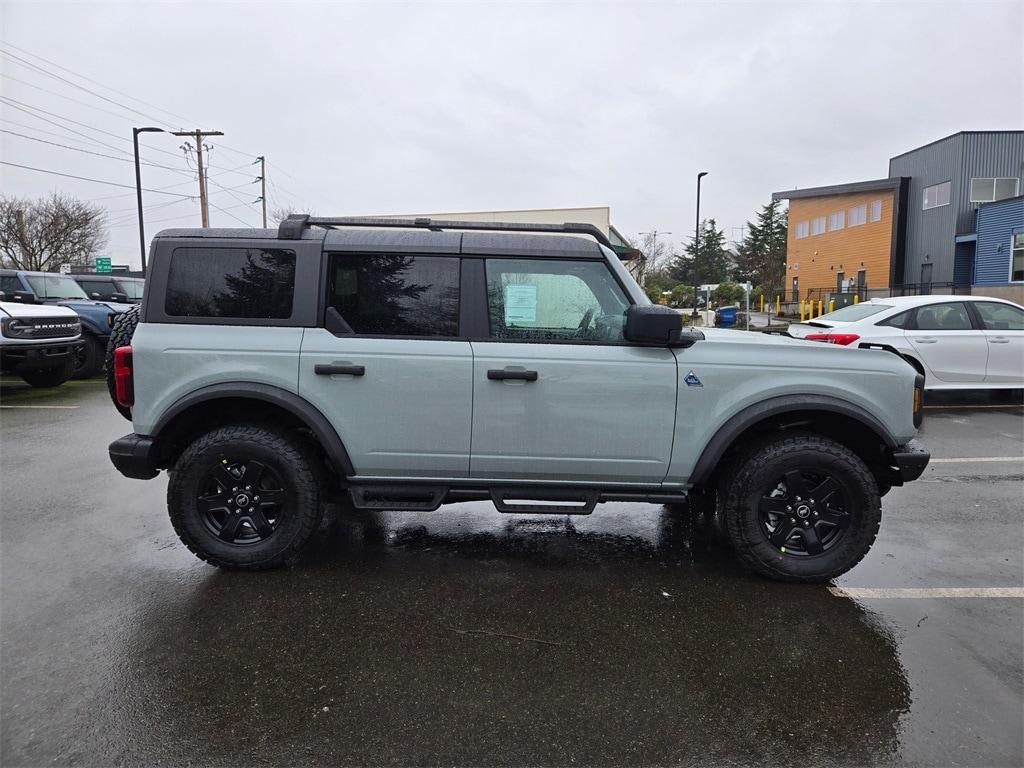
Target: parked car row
<point>95,311</point>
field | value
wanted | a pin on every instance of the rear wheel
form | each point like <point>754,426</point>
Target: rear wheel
<point>800,508</point>
<point>120,336</point>
<point>245,497</point>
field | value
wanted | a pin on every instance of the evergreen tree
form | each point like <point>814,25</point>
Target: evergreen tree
<point>714,261</point>
<point>761,257</point>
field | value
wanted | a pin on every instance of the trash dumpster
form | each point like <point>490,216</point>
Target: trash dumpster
<point>725,317</point>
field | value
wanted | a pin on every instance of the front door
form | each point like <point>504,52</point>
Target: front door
<point>558,394</point>
<point>1004,332</point>
<point>389,369</point>
<point>926,279</point>
<point>948,343</point>
<point>796,289</point>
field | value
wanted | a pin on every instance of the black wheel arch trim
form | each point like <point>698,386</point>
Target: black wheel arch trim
<point>302,409</point>
<point>775,406</point>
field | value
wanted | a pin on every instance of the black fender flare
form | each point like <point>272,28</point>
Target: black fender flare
<point>300,408</point>
<point>775,406</point>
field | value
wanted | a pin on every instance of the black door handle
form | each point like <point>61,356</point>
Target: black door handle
<point>326,369</point>
<point>500,374</point>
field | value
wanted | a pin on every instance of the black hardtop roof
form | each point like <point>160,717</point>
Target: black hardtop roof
<point>370,235</point>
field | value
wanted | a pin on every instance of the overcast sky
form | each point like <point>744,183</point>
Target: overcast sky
<point>407,107</point>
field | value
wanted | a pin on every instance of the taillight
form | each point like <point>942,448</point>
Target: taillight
<point>842,339</point>
<point>124,385</point>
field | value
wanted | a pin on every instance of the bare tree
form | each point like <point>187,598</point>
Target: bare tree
<point>277,215</point>
<point>43,235</point>
<point>654,256</point>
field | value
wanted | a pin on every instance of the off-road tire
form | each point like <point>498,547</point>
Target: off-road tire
<point>44,378</point>
<point>752,473</point>
<point>289,457</point>
<point>89,358</point>
<point>121,335</point>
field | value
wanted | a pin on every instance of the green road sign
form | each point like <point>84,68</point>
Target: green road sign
<point>102,263</point>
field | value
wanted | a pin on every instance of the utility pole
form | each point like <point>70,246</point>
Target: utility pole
<point>263,186</point>
<point>199,135</point>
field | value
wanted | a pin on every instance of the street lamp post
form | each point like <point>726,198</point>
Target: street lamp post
<point>138,189</point>
<point>696,249</point>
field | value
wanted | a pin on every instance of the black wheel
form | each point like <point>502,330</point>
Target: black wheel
<point>800,508</point>
<point>88,358</point>
<point>48,377</point>
<point>120,335</point>
<point>245,497</point>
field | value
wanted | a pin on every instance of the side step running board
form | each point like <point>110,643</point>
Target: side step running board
<point>425,498</point>
<point>553,502</point>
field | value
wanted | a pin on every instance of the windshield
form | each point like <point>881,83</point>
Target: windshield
<point>55,287</point>
<point>130,288</point>
<point>854,312</point>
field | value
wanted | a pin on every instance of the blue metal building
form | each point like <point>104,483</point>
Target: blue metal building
<point>999,253</point>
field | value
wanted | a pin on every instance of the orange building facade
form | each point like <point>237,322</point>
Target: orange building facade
<point>843,239</point>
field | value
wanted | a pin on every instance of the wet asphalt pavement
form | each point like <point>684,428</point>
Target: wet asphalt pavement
<point>466,637</point>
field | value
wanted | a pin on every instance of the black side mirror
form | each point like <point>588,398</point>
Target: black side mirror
<point>657,325</point>
<point>121,298</point>
<point>25,297</point>
<point>95,296</point>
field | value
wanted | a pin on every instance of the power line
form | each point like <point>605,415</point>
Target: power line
<point>186,121</point>
<point>86,178</point>
<point>61,95</point>
<point>225,210</point>
<point>88,152</point>
<point>30,109</point>
<point>36,67</point>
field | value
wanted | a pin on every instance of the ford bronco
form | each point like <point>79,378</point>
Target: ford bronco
<point>38,343</point>
<point>413,363</point>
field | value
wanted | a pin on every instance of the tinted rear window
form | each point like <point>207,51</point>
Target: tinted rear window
<point>396,295</point>
<point>231,282</point>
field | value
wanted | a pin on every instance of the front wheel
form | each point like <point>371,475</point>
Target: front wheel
<point>245,497</point>
<point>800,508</point>
<point>88,358</point>
<point>43,378</point>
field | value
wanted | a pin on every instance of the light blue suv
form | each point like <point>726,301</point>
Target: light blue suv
<point>413,363</point>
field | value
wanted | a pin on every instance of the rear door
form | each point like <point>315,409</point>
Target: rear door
<point>949,343</point>
<point>387,365</point>
<point>1004,332</point>
<point>558,394</point>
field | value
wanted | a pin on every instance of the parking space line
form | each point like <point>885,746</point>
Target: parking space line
<point>43,407</point>
<point>977,460</point>
<point>927,592</point>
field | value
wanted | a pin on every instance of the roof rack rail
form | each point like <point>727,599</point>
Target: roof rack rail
<point>293,227</point>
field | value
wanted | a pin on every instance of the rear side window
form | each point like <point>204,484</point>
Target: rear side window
<point>96,286</point>
<point>244,283</point>
<point>396,294</point>
<point>902,320</point>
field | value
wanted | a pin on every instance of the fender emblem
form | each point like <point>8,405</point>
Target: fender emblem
<point>692,380</point>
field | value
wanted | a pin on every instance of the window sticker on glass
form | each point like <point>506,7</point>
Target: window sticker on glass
<point>520,304</point>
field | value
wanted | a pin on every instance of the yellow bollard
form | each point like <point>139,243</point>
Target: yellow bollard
<point>831,305</point>
<point>856,299</point>
<point>821,306</point>
<point>762,302</point>
<point>778,304</point>
<point>801,310</point>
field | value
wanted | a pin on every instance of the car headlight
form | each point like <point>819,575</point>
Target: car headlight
<point>14,328</point>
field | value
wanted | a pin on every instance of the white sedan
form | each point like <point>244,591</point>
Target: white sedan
<point>957,342</point>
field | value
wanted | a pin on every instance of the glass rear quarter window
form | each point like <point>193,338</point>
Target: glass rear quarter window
<point>396,294</point>
<point>243,283</point>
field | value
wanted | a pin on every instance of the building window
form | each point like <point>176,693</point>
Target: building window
<point>936,195</point>
<point>818,225</point>
<point>801,229</point>
<point>990,190</point>
<point>857,215</point>
<point>876,210</point>
<point>836,220</point>
<point>1017,258</point>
